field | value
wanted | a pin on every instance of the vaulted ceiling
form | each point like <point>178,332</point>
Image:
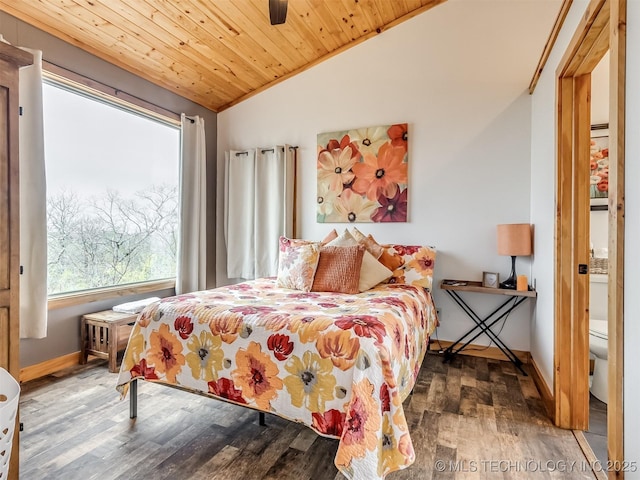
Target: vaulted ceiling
<point>213,52</point>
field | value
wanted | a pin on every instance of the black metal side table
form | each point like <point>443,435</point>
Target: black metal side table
<point>483,325</point>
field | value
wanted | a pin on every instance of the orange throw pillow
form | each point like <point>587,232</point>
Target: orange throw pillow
<point>338,269</point>
<point>391,261</point>
<point>332,235</point>
<point>369,243</point>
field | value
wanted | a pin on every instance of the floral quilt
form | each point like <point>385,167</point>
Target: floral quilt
<point>341,364</point>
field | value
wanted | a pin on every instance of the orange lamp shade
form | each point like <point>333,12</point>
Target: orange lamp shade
<point>514,239</point>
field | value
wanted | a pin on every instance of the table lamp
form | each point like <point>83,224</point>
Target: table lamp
<point>514,239</point>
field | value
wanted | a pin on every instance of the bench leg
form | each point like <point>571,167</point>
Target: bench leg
<point>133,399</point>
<point>83,342</point>
<point>112,338</point>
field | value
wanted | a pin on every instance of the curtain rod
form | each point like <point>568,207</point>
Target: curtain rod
<point>265,150</point>
<point>65,75</point>
<point>98,85</point>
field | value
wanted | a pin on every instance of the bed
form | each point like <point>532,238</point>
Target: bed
<point>341,363</point>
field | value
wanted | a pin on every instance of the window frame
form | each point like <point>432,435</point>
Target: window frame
<point>83,297</point>
<point>66,78</point>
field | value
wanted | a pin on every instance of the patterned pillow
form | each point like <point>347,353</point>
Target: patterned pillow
<point>338,269</point>
<point>372,271</point>
<point>417,264</point>
<point>297,264</point>
<point>369,243</point>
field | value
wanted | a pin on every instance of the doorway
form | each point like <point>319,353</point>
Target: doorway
<point>596,434</point>
<point>601,29</point>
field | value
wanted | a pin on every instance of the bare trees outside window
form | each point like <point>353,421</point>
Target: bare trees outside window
<point>112,193</point>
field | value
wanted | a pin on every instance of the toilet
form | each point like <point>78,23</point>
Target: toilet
<point>598,335</point>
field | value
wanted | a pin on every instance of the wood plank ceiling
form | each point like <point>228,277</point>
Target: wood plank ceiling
<point>213,52</point>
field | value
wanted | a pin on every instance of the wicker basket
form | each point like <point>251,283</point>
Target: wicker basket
<point>9,396</point>
<point>599,265</point>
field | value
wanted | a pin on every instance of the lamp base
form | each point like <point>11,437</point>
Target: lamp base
<point>510,284</point>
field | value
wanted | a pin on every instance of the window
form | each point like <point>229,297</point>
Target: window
<point>112,191</point>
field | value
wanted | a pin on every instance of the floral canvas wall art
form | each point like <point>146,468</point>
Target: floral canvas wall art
<point>363,175</point>
<point>599,160</point>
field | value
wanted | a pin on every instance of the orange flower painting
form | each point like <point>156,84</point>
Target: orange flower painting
<point>363,175</point>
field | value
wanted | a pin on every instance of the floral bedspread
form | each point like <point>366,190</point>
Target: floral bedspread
<point>341,364</point>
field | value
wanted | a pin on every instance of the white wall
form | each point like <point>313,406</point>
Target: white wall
<point>632,243</point>
<point>600,91</point>
<point>599,235</point>
<point>543,188</point>
<point>458,74</point>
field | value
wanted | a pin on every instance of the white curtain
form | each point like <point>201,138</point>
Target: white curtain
<point>192,259</point>
<point>258,208</point>
<point>33,203</point>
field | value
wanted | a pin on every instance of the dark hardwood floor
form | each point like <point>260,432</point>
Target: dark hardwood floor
<point>478,416</point>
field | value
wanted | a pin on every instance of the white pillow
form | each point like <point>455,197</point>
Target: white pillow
<point>372,271</point>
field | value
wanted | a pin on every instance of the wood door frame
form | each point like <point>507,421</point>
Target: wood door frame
<point>602,28</point>
<point>11,59</point>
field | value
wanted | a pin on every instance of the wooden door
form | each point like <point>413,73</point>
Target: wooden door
<point>11,59</point>
<point>602,28</point>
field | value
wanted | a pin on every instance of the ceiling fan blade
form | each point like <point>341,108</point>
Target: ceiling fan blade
<point>278,11</point>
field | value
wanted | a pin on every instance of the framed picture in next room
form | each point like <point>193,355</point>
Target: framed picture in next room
<point>599,164</point>
<point>363,175</point>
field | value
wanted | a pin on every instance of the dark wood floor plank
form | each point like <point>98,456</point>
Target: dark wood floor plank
<point>452,390</point>
<point>304,440</point>
<point>289,466</point>
<point>422,436</point>
<point>436,396</point>
<point>466,413</point>
<point>219,461</point>
<point>318,460</point>
<point>448,430</point>
<point>446,455</point>
<point>487,418</point>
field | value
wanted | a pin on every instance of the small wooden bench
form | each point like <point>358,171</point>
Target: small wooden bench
<point>98,331</point>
